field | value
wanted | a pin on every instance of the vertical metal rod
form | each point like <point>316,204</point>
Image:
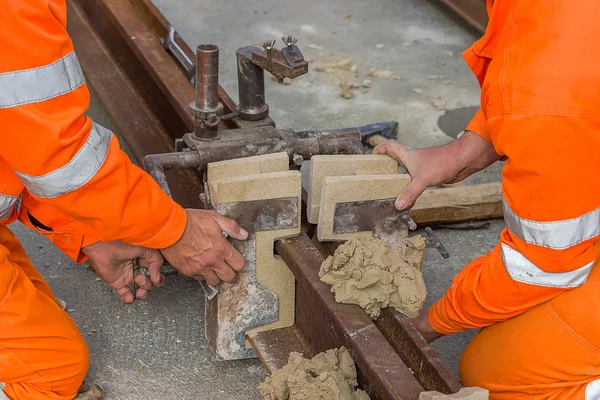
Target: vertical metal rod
<point>206,108</point>
<point>207,77</point>
<point>251,86</point>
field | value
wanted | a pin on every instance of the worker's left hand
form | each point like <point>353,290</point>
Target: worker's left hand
<point>113,262</point>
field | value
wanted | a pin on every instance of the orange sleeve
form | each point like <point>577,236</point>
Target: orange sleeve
<point>479,125</point>
<point>61,229</point>
<point>62,157</point>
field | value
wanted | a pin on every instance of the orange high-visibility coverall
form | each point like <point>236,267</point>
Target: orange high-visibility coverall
<point>537,65</point>
<point>65,176</point>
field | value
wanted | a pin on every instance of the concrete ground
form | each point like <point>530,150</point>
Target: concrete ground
<point>156,349</point>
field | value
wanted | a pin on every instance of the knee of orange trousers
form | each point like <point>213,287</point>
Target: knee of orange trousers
<point>42,353</point>
<point>483,293</point>
<point>19,256</point>
<point>551,351</point>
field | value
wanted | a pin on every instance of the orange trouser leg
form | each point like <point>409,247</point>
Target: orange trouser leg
<point>550,352</point>
<point>42,353</point>
<point>483,293</point>
<point>19,257</point>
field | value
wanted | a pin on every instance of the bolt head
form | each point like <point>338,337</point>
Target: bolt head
<point>268,45</point>
<point>297,159</point>
<point>289,40</point>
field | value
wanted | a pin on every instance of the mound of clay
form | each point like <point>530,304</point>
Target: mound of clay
<point>373,275</point>
<point>327,376</point>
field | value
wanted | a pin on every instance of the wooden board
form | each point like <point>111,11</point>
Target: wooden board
<point>458,204</point>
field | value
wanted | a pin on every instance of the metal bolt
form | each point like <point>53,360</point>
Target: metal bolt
<point>269,45</point>
<point>297,159</point>
<point>289,41</point>
<point>405,216</point>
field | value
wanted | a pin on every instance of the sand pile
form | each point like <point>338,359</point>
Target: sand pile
<point>327,376</point>
<point>373,275</point>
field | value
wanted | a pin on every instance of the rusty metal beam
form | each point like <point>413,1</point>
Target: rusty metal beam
<point>326,324</point>
<point>472,11</point>
<point>427,367</point>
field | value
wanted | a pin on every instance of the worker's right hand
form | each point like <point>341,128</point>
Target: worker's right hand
<point>433,166</point>
<point>424,327</point>
<point>203,252</point>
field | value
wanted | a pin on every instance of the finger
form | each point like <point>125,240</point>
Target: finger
<point>224,272</point>
<point>153,260</point>
<point>231,256</point>
<point>409,195</point>
<point>143,282</point>
<point>391,148</point>
<point>125,294</point>
<point>381,149</point>
<point>210,277</point>
<point>142,294</point>
<point>231,227</point>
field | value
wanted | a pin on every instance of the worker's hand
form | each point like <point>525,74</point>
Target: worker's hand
<point>424,327</point>
<point>113,262</point>
<point>203,252</point>
<point>433,166</point>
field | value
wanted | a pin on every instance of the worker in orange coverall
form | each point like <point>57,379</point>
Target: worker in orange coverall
<point>536,294</point>
<point>65,176</point>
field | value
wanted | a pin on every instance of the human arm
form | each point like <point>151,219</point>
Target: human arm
<point>433,166</point>
<point>76,166</point>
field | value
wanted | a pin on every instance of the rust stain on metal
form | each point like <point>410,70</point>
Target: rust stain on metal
<point>472,11</point>
<point>416,353</point>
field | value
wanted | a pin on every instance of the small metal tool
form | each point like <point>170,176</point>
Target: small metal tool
<point>433,241</point>
<point>383,130</point>
<point>209,291</point>
<point>171,45</point>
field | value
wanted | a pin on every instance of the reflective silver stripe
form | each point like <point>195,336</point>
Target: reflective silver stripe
<point>522,270</point>
<point>556,234</point>
<point>3,396</point>
<point>7,204</point>
<point>73,175</point>
<point>592,390</point>
<point>42,83</point>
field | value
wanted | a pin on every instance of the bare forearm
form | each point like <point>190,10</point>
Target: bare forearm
<point>471,153</point>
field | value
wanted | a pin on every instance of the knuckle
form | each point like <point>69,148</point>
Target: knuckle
<point>221,246</point>
<point>209,259</point>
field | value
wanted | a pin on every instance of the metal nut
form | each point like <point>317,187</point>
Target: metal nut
<point>297,159</point>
